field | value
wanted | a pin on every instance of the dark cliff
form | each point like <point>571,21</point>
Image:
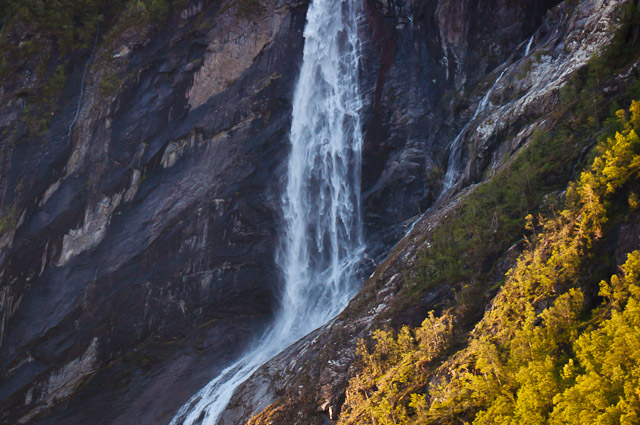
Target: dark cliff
<point>140,177</point>
<point>151,218</point>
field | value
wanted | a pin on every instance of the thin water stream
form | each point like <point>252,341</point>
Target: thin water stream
<point>321,235</point>
<point>454,170</point>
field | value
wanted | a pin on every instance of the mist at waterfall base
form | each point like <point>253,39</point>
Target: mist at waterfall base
<point>321,236</point>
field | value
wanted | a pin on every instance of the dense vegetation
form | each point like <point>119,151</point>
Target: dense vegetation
<point>537,356</point>
<point>559,341</point>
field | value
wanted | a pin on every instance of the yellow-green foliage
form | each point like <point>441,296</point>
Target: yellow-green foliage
<point>603,379</point>
<point>536,356</point>
<point>382,392</point>
<point>490,219</point>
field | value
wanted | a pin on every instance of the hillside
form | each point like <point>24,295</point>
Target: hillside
<point>480,273</point>
<point>145,155</point>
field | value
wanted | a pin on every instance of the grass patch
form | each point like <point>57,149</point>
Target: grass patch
<point>8,220</point>
<point>109,84</point>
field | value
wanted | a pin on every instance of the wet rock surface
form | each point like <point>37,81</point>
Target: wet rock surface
<point>306,382</point>
<point>422,64</point>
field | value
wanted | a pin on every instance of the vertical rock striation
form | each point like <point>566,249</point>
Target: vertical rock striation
<point>150,230</point>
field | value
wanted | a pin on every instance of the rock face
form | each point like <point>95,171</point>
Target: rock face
<point>137,232</point>
<point>156,215</point>
<point>305,384</point>
<point>529,86</point>
<point>422,64</point>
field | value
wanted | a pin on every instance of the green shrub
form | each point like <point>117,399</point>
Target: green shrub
<point>109,84</point>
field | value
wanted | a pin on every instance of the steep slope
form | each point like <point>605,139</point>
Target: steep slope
<point>457,254</point>
<point>541,353</point>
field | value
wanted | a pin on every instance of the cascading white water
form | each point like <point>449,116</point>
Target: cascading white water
<point>322,240</point>
<point>453,165</point>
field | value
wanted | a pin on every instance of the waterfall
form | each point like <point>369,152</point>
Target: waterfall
<point>453,165</point>
<point>321,238</point>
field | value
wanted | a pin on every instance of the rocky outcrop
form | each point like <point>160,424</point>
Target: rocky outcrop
<point>62,383</point>
<point>306,382</point>
<point>530,86</point>
<point>238,37</point>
